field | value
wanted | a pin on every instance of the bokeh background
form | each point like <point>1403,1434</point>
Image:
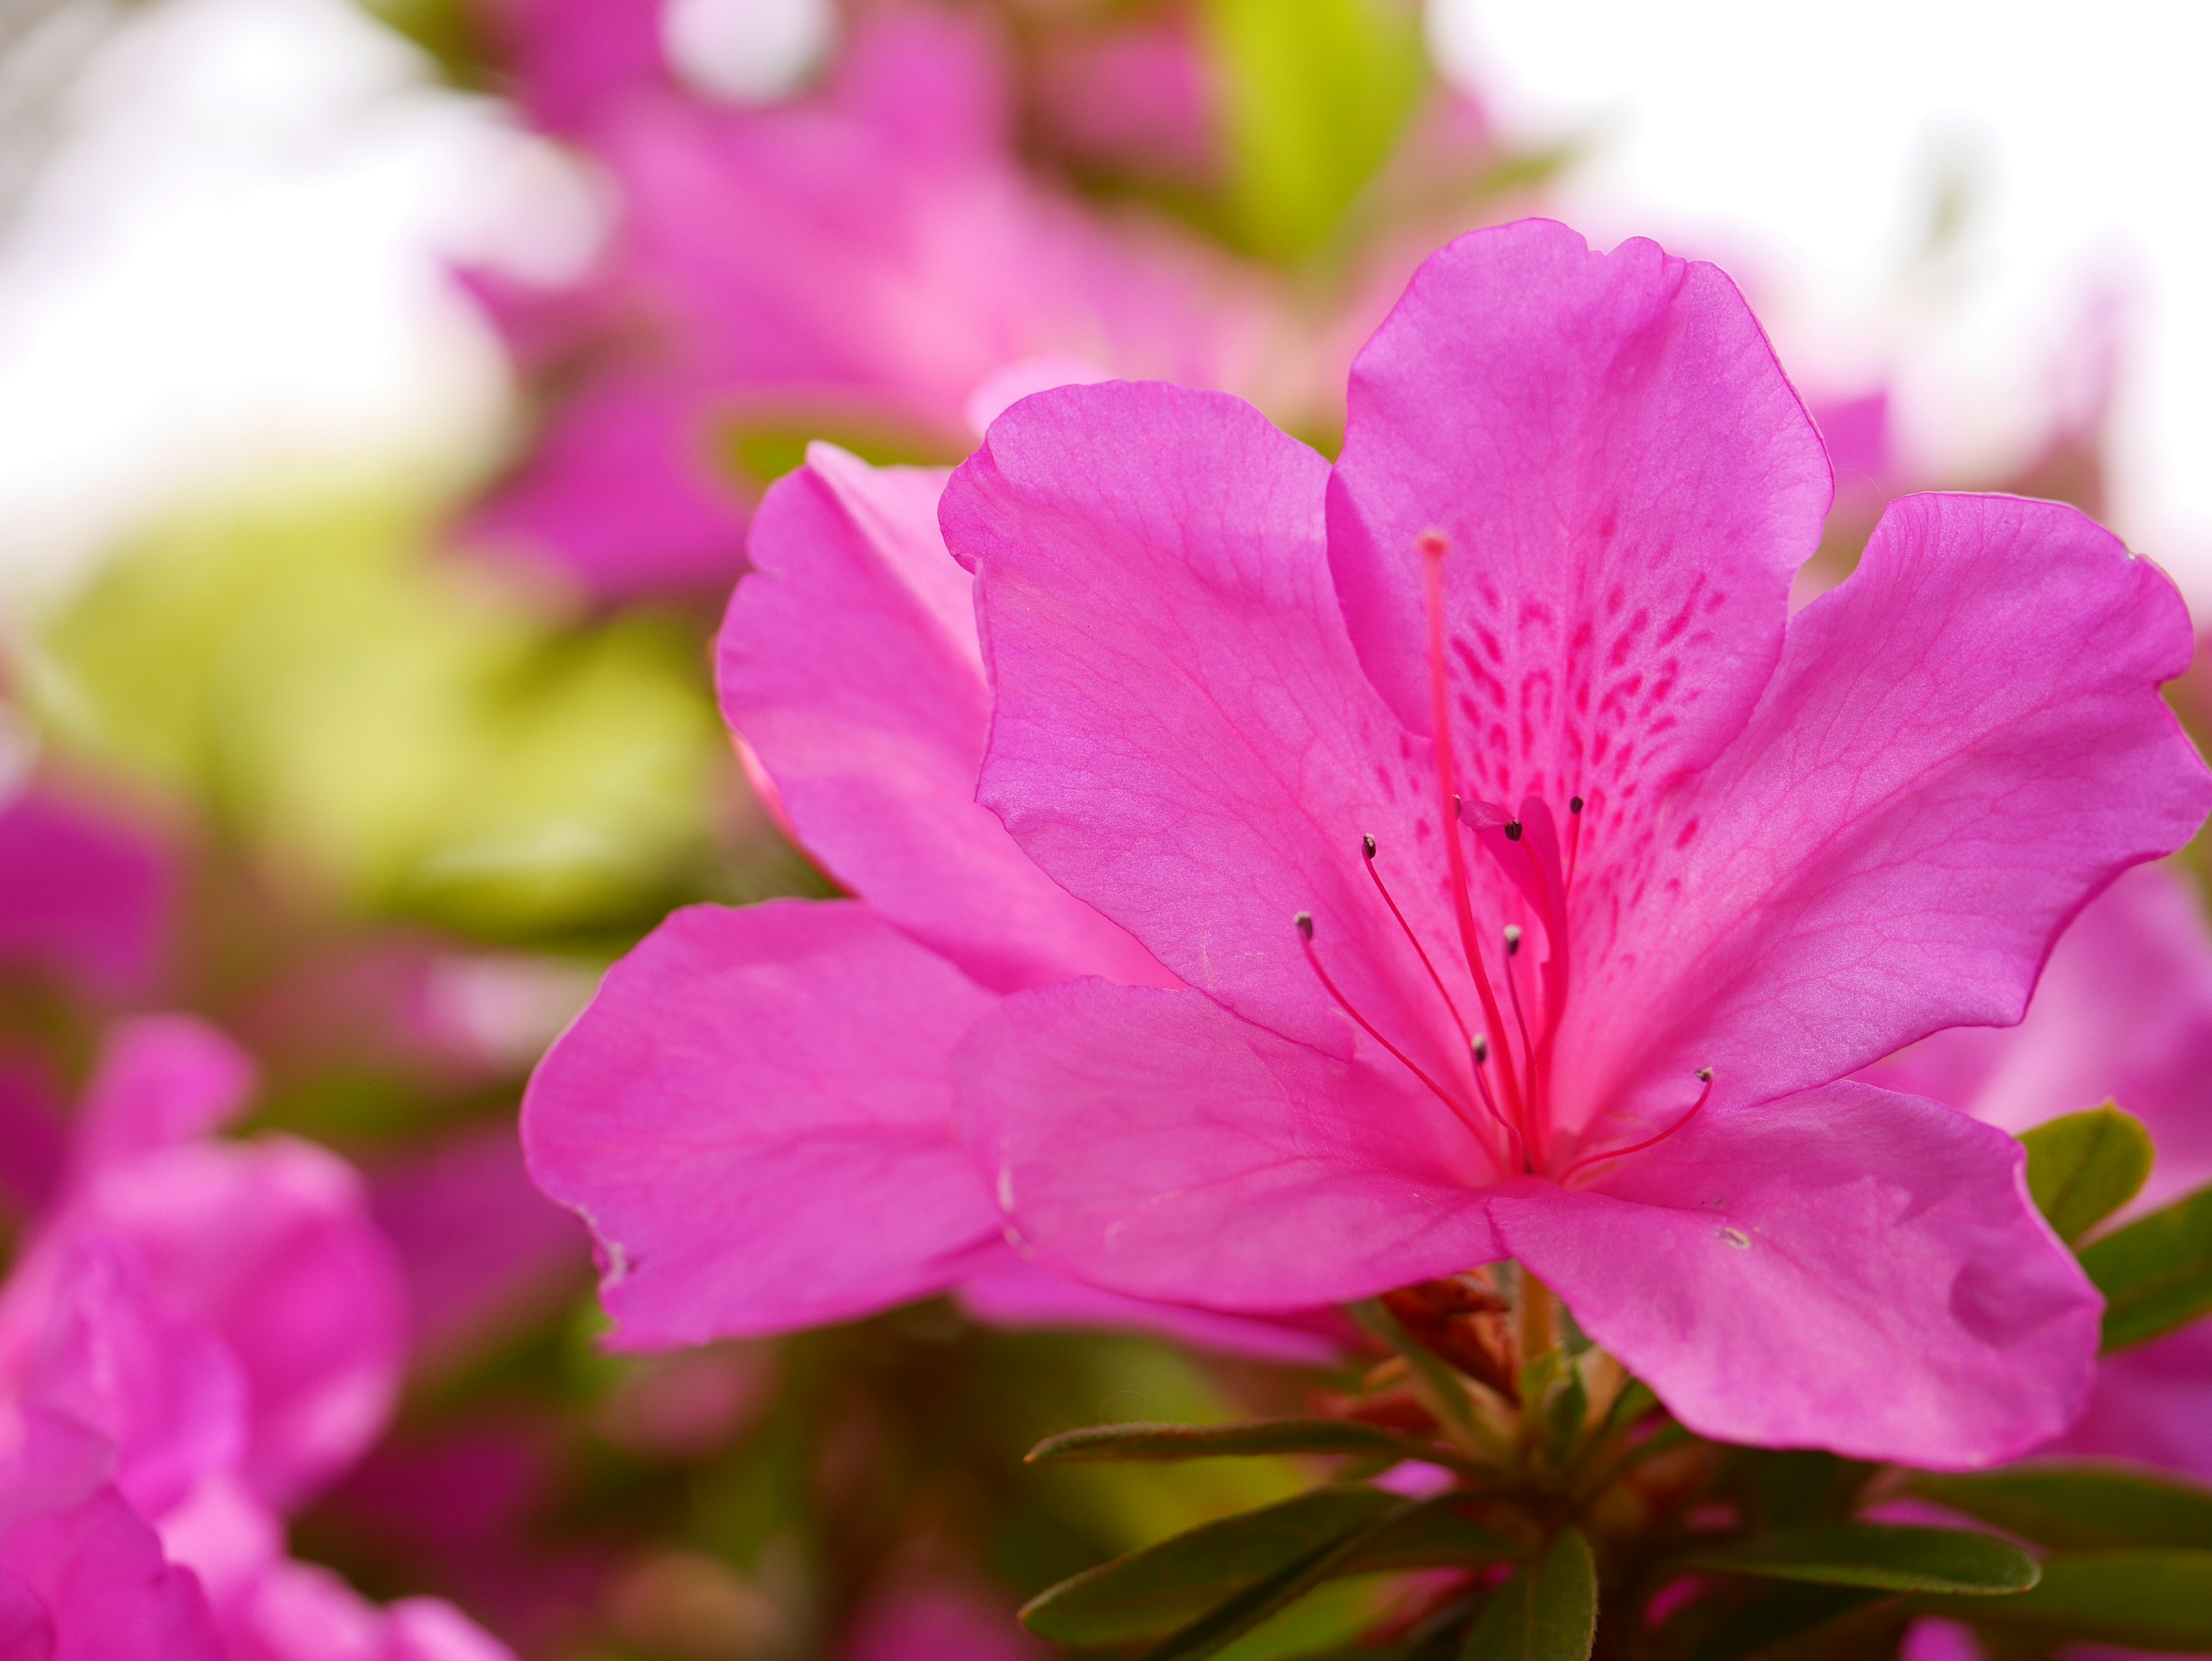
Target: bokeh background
<point>383,390</point>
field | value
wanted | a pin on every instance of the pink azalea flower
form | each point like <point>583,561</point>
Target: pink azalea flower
<point>755,1114</point>
<point>79,895</point>
<point>2123,1013</point>
<point>82,1574</point>
<point>226,1318</point>
<point>860,261</point>
<point>1681,865</point>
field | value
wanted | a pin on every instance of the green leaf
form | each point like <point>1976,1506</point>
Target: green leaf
<point>2071,1506</point>
<point>2144,1599</point>
<point>1164,1588</point>
<point>1436,1534</point>
<point>2156,1273</point>
<point>1150,1441</point>
<point>1314,95</point>
<point>2085,1167</point>
<point>1866,1555</point>
<point>1566,1407</point>
<point>1223,1624</point>
<point>1547,1612</point>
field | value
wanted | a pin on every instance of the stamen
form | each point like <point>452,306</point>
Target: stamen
<point>1520,1015</point>
<point>1432,545</point>
<point>1481,1048</point>
<point>1435,979</point>
<point>1705,1077</point>
<point>1574,836</point>
<point>1305,927</point>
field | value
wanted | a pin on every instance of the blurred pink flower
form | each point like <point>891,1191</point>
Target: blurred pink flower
<point>856,262</point>
<point>1759,851</point>
<point>226,1317</point>
<point>939,1622</point>
<point>80,894</point>
<point>2123,1013</point>
<point>755,1114</point>
<point>82,1575</point>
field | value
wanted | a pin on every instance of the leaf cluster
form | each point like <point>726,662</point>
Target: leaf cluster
<point>1556,1513</point>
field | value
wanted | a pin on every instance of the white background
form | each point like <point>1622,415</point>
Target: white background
<point>235,259</point>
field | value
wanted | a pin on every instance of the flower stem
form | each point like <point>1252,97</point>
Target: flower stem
<point>1540,1327</point>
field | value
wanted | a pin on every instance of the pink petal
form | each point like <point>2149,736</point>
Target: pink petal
<point>269,1245</point>
<point>162,1080</point>
<point>1148,1141</point>
<point>2123,1011</point>
<point>2152,1404</point>
<point>1844,1268</point>
<point>159,1385</point>
<point>1006,1289</point>
<point>848,662</point>
<point>943,1622</point>
<point>1181,734</point>
<point>73,1550</point>
<point>1962,744</point>
<point>622,494</point>
<point>80,894</point>
<point>754,1117</point>
<point>1627,483</point>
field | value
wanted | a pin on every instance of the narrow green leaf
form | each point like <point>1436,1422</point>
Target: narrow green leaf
<point>2085,1167</point>
<point>1259,1436</point>
<point>2156,1273</point>
<point>1546,1612</point>
<point>1565,1409</point>
<point>1162,1588</point>
<point>2080,1506</point>
<point>1226,1622</point>
<point>1866,1555</point>
<point>2144,1599</point>
<point>1436,1534</point>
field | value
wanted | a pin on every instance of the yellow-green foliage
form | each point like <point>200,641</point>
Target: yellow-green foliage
<point>429,740</point>
<point>1314,94</point>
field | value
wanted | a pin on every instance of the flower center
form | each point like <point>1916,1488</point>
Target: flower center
<point>1510,1066</point>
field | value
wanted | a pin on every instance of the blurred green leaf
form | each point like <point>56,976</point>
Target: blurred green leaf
<point>1867,1554</point>
<point>2085,1167</point>
<point>2156,1273</point>
<point>2081,1506</point>
<point>422,736</point>
<point>1156,1591</point>
<point>1545,1612</point>
<point>1249,1612</point>
<point>1314,95</point>
<point>763,449</point>
<point>1150,1441</point>
<point>2144,1599</point>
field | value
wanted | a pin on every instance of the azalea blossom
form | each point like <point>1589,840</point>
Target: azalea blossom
<point>1538,882</point>
<point>2124,1013</point>
<point>754,1114</point>
<point>208,1333</point>
<point>859,262</point>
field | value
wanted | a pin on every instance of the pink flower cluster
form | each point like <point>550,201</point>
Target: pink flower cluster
<point>1278,882</point>
<point>197,1335</point>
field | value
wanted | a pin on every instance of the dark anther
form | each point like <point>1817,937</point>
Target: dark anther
<point>1482,1050</point>
<point>1367,842</point>
<point>1512,939</point>
<point>1574,804</point>
<point>1704,1075</point>
<point>1512,830</point>
<point>1305,920</point>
